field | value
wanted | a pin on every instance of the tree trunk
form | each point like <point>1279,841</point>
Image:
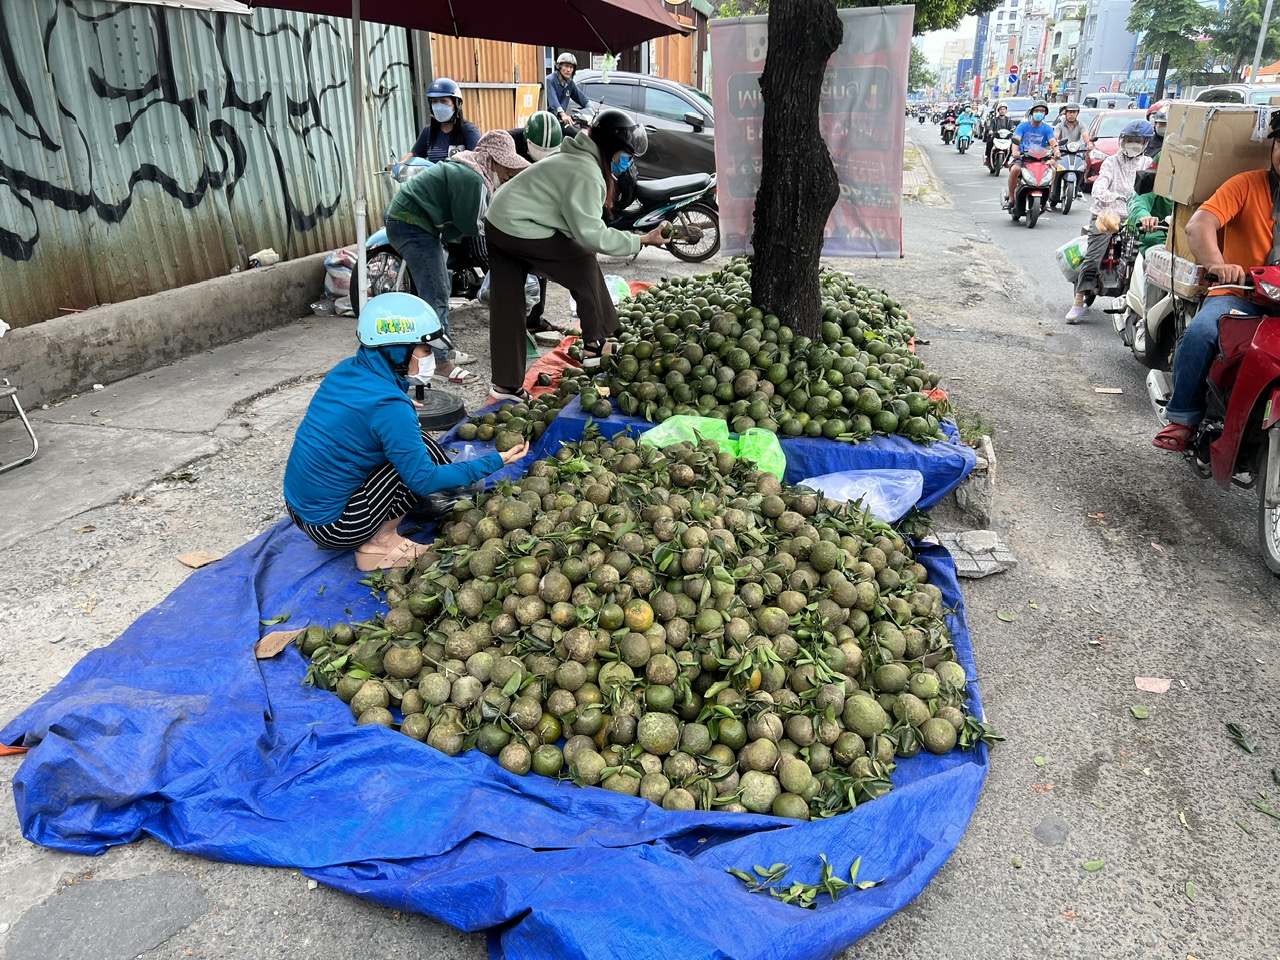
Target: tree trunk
<point>1160,77</point>
<point>798,185</point>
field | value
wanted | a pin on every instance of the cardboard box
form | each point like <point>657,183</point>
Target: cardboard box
<point>1177,239</point>
<point>1205,144</point>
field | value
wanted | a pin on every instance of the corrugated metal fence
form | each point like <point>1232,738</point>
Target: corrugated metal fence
<point>145,147</point>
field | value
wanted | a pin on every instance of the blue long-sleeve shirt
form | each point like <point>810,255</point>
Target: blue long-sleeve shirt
<point>560,92</point>
<point>360,418</point>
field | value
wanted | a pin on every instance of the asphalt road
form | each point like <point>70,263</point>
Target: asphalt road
<point>1130,566</point>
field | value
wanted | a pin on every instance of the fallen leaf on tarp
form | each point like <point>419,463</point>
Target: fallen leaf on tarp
<point>283,618</point>
<point>1152,684</point>
<point>1093,866</point>
<point>1139,711</point>
<point>1004,615</point>
<point>196,559</point>
<point>275,641</point>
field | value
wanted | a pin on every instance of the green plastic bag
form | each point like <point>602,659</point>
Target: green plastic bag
<point>763,447</point>
<point>756,444</point>
<point>681,428</point>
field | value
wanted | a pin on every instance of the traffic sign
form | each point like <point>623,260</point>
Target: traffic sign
<point>1102,89</point>
<point>1013,70</point>
<point>1013,79</point>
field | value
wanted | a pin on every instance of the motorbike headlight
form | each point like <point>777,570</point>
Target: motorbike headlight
<point>1269,290</point>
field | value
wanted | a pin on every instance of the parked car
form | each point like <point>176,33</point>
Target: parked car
<point>1105,135</point>
<point>1258,93</point>
<point>678,118</point>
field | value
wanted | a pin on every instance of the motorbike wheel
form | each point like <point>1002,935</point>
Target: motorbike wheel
<point>1068,195</point>
<point>1033,213</point>
<point>1269,488</point>
<point>706,220</point>
<point>387,274</point>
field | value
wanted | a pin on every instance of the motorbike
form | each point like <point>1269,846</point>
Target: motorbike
<point>920,119</point>
<point>948,130</point>
<point>1069,176</point>
<point>1115,272</point>
<point>1033,187</point>
<point>1147,324</point>
<point>964,138</point>
<point>1238,441</point>
<point>1001,147</point>
<point>688,203</point>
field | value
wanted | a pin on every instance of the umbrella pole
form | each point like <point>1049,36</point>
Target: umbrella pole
<point>357,87</point>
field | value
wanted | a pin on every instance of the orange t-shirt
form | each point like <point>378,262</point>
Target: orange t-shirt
<point>1243,207</point>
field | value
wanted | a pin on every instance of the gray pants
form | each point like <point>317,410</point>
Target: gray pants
<point>1087,281</point>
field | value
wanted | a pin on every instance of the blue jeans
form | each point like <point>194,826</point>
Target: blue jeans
<point>1195,355</point>
<point>424,254</point>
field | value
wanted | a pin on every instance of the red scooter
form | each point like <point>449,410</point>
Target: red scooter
<point>1238,442</point>
<point>1033,187</point>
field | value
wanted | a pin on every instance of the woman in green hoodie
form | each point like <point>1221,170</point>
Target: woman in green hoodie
<point>548,221</point>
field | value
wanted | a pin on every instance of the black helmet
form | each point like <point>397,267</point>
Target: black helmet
<point>614,130</point>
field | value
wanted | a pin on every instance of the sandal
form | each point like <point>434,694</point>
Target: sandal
<point>502,394</point>
<point>458,376</point>
<point>539,325</point>
<point>461,356</point>
<point>1174,437</point>
<point>398,557</point>
<point>593,351</point>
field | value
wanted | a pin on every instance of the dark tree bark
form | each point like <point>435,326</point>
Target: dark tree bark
<point>798,185</point>
<point>1160,77</point>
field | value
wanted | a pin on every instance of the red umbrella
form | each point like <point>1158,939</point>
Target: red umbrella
<point>599,25</point>
<point>607,25</point>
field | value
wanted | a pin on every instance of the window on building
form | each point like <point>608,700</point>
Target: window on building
<point>1000,15</point>
<point>1013,3</point>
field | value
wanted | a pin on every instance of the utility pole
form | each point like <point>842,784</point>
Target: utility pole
<point>1262,39</point>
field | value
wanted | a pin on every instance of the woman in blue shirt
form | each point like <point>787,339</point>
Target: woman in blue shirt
<point>360,460</point>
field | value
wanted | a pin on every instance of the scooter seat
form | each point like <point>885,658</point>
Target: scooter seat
<point>651,192</point>
<point>1235,334</point>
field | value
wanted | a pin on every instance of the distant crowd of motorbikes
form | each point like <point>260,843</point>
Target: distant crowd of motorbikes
<point>1154,296</point>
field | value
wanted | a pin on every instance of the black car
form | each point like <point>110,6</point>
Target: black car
<point>677,117</point>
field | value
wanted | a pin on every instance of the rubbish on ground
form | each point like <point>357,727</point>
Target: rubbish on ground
<point>195,559</point>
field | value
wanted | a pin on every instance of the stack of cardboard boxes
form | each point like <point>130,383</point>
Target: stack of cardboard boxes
<point>1205,145</point>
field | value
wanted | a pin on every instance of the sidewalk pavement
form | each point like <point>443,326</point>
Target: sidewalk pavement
<point>101,446</point>
<point>919,183</point>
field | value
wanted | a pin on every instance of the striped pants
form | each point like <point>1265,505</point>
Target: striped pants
<point>380,498</point>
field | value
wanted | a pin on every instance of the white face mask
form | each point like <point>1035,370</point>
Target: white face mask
<point>1133,150</point>
<point>443,112</point>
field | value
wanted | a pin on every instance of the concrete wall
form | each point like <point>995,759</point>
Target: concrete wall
<point>69,354</point>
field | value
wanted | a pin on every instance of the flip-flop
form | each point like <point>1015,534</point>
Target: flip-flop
<point>396,558</point>
<point>461,356</point>
<point>457,375</point>
<point>501,395</point>
<point>595,351</point>
<point>1174,437</point>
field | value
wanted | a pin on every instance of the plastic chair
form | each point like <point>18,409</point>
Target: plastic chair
<point>11,393</point>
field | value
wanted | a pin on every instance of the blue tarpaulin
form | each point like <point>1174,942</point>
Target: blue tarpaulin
<point>943,464</point>
<point>176,731</point>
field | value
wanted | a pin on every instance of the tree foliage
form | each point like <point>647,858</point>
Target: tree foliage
<point>1236,37</point>
<point>1171,27</point>
<point>930,14</point>
<point>920,76</point>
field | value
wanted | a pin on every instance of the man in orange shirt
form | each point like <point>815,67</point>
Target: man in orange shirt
<point>1244,210</point>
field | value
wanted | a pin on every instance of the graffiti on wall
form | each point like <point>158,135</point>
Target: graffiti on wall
<point>101,102</point>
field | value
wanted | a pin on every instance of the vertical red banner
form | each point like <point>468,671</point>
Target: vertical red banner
<point>862,118</point>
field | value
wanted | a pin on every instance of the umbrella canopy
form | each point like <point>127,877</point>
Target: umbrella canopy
<point>598,25</point>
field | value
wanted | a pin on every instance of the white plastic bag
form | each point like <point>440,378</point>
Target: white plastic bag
<point>888,494</point>
<point>337,272</point>
<point>618,291</point>
<point>1070,257</point>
